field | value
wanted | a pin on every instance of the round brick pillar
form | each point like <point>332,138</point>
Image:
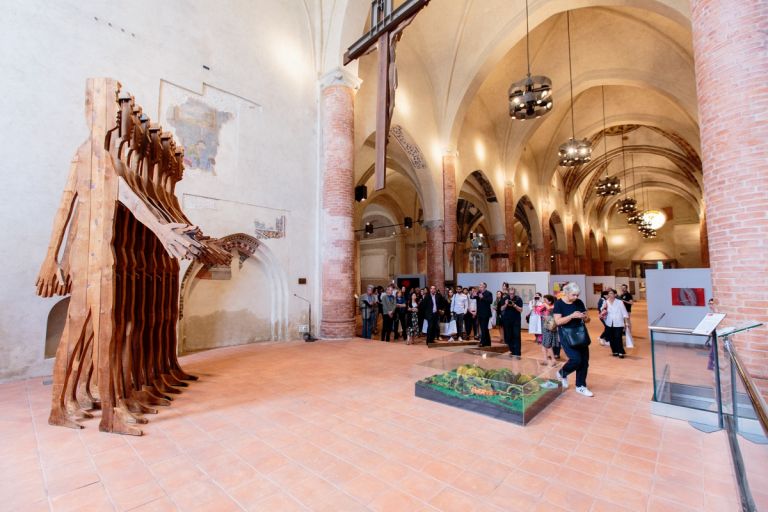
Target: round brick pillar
<point>731,60</point>
<point>499,255</point>
<point>435,271</point>
<point>337,208</point>
<point>449,215</point>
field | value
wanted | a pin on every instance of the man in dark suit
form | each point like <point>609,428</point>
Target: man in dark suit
<point>433,305</point>
<point>484,302</point>
<point>512,306</point>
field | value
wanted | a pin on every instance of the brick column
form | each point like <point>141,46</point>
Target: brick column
<point>729,43</point>
<point>586,260</point>
<point>605,263</point>
<point>449,215</point>
<point>337,209</point>
<point>569,258</point>
<point>435,271</point>
<point>542,254</point>
<point>509,225</point>
<point>499,254</point>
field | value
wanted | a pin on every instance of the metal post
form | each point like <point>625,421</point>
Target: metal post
<point>735,415</point>
<point>653,366</point>
<point>718,390</point>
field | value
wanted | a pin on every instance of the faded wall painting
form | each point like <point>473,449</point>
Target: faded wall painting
<point>198,128</point>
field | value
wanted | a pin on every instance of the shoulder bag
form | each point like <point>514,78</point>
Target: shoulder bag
<point>575,336</point>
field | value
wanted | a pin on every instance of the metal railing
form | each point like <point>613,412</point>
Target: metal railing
<point>757,400</point>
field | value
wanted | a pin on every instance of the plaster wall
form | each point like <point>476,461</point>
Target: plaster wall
<point>261,72</point>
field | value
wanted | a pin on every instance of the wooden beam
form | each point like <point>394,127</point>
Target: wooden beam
<point>389,23</point>
<point>382,113</point>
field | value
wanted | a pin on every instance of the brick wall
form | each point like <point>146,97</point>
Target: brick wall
<point>730,50</point>
<point>435,272</point>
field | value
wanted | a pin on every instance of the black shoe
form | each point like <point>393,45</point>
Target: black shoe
<point>615,354</point>
<point>621,356</point>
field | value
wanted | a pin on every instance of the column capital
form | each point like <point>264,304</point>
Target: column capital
<point>433,224</point>
<point>500,236</point>
<point>340,76</point>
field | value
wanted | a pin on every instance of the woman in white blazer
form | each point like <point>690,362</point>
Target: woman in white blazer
<point>614,314</point>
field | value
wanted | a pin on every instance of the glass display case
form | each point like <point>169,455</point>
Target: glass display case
<point>513,390</point>
<point>687,371</point>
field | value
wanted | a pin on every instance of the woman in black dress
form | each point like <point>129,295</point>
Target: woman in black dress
<point>569,313</point>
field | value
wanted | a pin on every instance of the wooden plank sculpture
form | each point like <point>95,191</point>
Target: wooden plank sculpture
<point>125,233</point>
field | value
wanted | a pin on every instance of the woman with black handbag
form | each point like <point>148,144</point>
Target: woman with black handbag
<point>571,316</point>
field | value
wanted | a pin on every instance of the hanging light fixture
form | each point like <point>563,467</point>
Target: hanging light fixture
<point>610,185</point>
<point>574,151</point>
<point>644,225</point>
<point>531,97</point>
<point>627,205</point>
<point>655,218</point>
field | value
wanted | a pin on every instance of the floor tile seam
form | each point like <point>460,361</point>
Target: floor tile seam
<point>212,481</point>
<point>36,431</point>
<point>314,472</point>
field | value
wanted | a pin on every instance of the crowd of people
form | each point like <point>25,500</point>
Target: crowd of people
<point>473,313</point>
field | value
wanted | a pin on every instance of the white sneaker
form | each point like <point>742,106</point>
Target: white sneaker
<point>602,342</point>
<point>563,380</point>
<point>584,391</point>
<point>451,339</point>
<point>460,339</point>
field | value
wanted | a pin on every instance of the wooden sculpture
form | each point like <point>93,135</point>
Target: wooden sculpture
<point>125,234</point>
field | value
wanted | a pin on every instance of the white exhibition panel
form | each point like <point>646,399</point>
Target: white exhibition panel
<point>659,285</point>
<point>538,281</point>
<point>589,293</point>
<point>579,279</point>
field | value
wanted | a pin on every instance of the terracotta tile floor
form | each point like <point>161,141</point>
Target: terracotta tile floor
<point>335,426</point>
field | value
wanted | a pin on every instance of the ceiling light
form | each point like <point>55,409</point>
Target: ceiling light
<point>574,151</point>
<point>530,98</point>
<point>654,218</point>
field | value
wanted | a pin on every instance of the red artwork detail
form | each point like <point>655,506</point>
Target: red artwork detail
<point>688,297</point>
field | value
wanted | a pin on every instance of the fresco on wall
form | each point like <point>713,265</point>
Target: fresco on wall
<point>198,127</point>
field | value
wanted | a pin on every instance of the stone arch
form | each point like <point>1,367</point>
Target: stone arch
<point>526,214</point>
<point>558,230</point>
<point>57,317</point>
<point>479,187</point>
<point>405,157</point>
<point>248,250</point>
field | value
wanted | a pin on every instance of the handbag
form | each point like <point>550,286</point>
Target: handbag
<point>528,318</point>
<point>550,324</point>
<point>575,336</point>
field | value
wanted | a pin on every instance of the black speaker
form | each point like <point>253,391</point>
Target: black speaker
<point>361,193</point>
<point>408,222</point>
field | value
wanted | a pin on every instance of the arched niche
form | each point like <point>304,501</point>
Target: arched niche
<point>243,303</point>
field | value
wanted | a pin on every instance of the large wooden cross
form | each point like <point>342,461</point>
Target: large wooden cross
<point>387,27</point>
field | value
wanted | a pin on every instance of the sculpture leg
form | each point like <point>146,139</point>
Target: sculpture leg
<point>71,339</point>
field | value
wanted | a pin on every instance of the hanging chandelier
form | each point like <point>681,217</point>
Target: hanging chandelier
<point>531,97</point>
<point>574,151</point>
<point>626,205</point>
<point>610,185</point>
<point>635,218</point>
